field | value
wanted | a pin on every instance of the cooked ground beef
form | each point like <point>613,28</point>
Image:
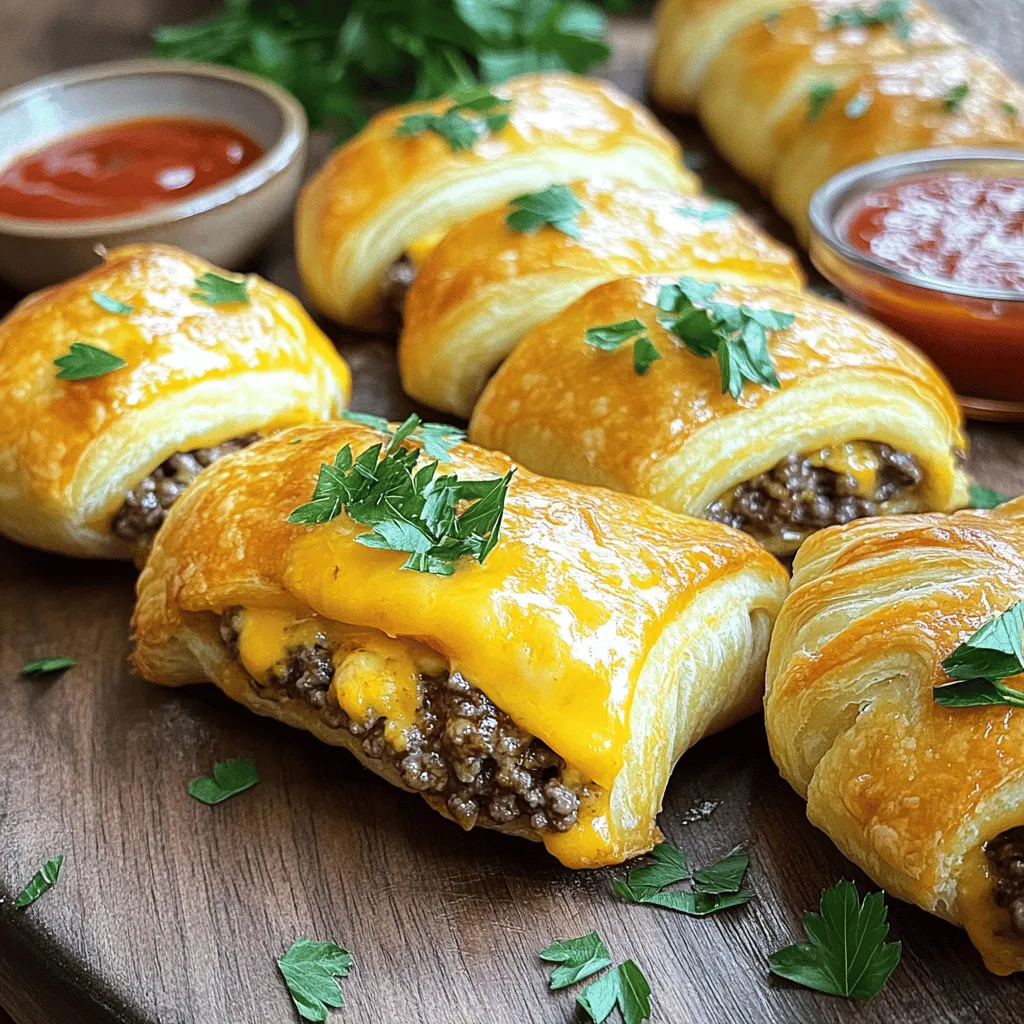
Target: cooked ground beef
<point>395,283</point>
<point>796,497</point>
<point>462,747</point>
<point>146,505</point>
<point>1006,855</point>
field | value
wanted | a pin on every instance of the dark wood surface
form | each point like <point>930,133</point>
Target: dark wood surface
<point>169,911</point>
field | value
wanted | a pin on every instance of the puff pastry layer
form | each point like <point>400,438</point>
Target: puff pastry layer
<point>565,408</point>
<point>196,375</point>
<point>609,630</point>
<point>383,194</point>
<point>485,286</point>
<point>749,68</point>
<point>909,790</point>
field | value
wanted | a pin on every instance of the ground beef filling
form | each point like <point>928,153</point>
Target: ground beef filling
<point>395,283</point>
<point>1006,855</point>
<point>796,497</point>
<point>462,747</point>
<point>146,505</point>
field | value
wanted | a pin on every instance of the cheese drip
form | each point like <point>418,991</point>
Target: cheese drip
<point>857,459</point>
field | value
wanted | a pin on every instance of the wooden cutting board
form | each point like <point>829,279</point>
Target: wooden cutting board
<point>173,912</point>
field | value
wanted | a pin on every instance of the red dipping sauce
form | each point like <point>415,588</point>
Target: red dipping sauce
<point>122,168</point>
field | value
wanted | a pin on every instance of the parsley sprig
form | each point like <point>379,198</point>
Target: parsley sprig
<point>438,438</point>
<point>42,881</point>
<point>954,98</point>
<point>111,305</point>
<point>83,362</point>
<point>215,290</point>
<point>613,336</point>
<point>986,497</point>
<point>555,205</point>
<point>847,954</point>
<point>982,663</point>
<point>46,666</point>
<point>576,958</point>
<point>229,778</point>
<point>893,13</point>
<point>310,970</point>
<point>736,335</point>
<point>473,115</point>
<point>720,209</point>
<point>817,99</point>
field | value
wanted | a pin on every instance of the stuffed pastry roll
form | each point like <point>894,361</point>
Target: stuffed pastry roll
<point>122,384</point>
<point>527,654</point>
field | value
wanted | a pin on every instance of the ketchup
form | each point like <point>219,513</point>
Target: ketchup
<point>126,167</point>
<point>966,230</point>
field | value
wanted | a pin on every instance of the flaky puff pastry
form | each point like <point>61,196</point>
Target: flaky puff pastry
<point>196,375</point>
<point>383,194</point>
<point>566,408</point>
<point>907,789</point>
<point>613,631</point>
<point>485,286</point>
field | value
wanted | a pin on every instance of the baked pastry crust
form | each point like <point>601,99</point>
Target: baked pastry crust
<point>485,286</point>
<point>197,375</point>
<point>565,408</point>
<point>907,789</point>
<point>380,193</point>
<point>587,624</point>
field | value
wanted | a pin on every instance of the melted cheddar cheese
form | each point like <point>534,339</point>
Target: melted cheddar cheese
<point>858,459</point>
<point>422,247</point>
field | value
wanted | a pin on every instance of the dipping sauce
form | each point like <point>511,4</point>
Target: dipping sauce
<point>126,167</point>
<point>965,230</point>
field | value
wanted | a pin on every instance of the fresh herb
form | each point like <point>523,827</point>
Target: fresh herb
<point>894,13</point>
<point>86,361</point>
<point>624,985</point>
<point>344,58</point>
<point>718,210</point>
<point>478,113</point>
<point>577,959</point>
<point>983,661</point>
<point>104,301</point>
<point>229,779</point>
<point>954,98</point>
<point>670,866</point>
<point>724,876</point>
<point>736,335</point>
<point>817,98</point>
<point>1008,108</point>
<point>847,954</point>
<point>554,205</point>
<point>858,105</point>
<point>611,336</point>
<point>986,497</point>
<point>42,881</point>
<point>43,666</point>
<point>438,438</point>
<point>215,290</point>
<point>310,971</point>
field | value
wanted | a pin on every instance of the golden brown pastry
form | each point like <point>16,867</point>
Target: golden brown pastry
<point>927,799</point>
<point>794,92</point>
<point>484,286</point>
<point>546,691</point>
<point>368,218</point>
<point>861,425</point>
<point>88,466</point>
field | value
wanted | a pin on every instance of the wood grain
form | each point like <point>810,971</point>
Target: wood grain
<point>169,911</point>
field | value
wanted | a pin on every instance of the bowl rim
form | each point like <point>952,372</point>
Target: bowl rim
<point>275,160</point>
<point>836,192</point>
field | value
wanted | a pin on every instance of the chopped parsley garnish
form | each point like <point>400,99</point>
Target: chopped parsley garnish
<point>954,98</point>
<point>612,336</point>
<point>847,954</point>
<point>982,663</point>
<point>104,301</point>
<point>438,438</point>
<point>86,361</point>
<point>310,971</point>
<point>1008,108</point>
<point>215,290</point>
<point>576,958</point>
<point>894,13</point>
<point>817,98</point>
<point>718,210</point>
<point>736,335</point>
<point>858,105</point>
<point>555,205</point>
<point>44,666</point>
<point>42,881</point>
<point>986,497</point>
<point>474,114</point>
<point>229,778</point>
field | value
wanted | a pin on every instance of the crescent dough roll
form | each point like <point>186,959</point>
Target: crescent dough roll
<point>547,692</point>
<point>89,466</point>
<point>383,200</point>
<point>485,285</point>
<point>928,800</point>
<point>862,424</point>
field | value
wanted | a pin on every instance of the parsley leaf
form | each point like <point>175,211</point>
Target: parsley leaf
<point>42,881</point>
<point>894,13</point>
<point>723,876</point>
<point>489,114</point>
<point>986,497</point>
<point>817,98</point>
<point>578,959</point>
<point>229,778</point>
<point>847,954</point>
<point>1008,108</point>
<point>718,210</point>
<point>954,98</point>
<point>42,666</point>
<point>736,335</point>
<point>611,336</point>
<point>859,105</point>
<point>215,290</point>
<point>104,301</point>
<point>86,361</point>
<point>438,438</point>
<point>982,663</point>
<point>974,693</point>
<point>624,985</point>
<point>310,970</point>
<point>670,866</point>
<point>555,205</point>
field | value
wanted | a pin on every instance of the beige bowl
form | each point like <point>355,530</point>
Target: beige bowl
<point>226,224</point>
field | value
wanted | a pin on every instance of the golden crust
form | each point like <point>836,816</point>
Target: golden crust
<point>485,286</point>
<point>906,788</point>
<point>565,408</point>
<point>381,192</point>
<point>587,623</point>
<point>196,375</point>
